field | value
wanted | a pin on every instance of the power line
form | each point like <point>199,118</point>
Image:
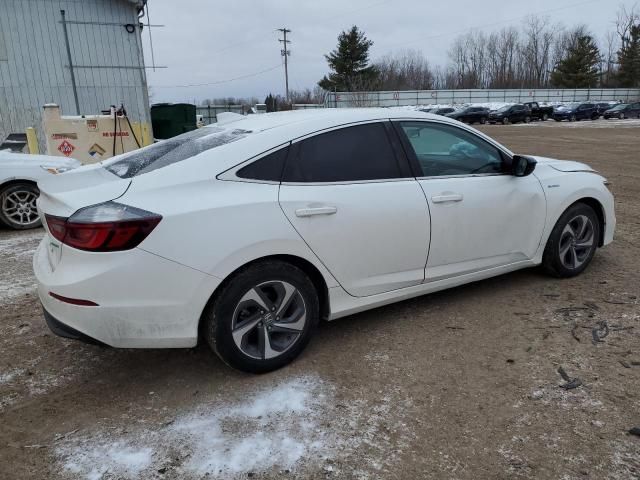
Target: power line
<point>285,52</point>
<point>220,81</point>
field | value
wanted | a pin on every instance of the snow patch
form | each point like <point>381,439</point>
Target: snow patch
<point>277,428</point>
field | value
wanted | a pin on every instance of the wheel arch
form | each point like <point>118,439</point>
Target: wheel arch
<point>17,181</point>
<point>303,264</point>
<point>599,209</point>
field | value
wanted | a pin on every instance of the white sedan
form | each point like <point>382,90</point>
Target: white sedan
<point>246,233</point>
<point>19,174</point>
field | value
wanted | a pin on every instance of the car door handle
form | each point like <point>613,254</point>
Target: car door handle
<point>310,212</point>
<point>454,197</point>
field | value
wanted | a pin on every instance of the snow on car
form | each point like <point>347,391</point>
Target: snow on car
<point>248,232</point>
<point>19,174</point>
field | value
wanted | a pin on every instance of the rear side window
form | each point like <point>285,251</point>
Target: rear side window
<point>267,168</point>
<point>361,152</point>
<point>173,150</point>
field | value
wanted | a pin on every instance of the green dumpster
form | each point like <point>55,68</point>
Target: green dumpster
<point>171,119</point>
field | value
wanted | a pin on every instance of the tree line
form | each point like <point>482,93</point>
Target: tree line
<point>534,54</point>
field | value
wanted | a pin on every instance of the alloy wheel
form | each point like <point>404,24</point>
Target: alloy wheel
<point>19,208</point>
<point>268,320</point>
<point>576,242</point>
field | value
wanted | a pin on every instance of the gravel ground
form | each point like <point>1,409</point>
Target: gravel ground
<point>461,384</point>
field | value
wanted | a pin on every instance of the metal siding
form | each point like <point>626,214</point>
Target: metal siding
<point>37,72</point>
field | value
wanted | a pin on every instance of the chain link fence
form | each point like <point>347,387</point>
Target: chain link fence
<point>438,97</point>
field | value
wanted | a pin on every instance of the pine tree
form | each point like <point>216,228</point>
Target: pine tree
<point>349,63</point>
<point>629,60</point>
<point>272,103</point>
<point>579,68</point>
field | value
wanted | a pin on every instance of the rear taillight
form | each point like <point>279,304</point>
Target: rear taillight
<point>107,227</point>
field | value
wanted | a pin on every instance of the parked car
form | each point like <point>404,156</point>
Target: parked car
<point>623,110</point>
<point>245,234</point>
<point>470,115</point>
<point>19,174</point>
<point>511,114</point>
<point>539,112</point>
<point>443,111</point>
<point>576,111</point>
<point>603,107</point>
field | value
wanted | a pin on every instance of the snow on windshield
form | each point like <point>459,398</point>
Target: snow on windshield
<point>172,150</point>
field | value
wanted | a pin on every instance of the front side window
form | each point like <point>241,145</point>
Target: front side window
<point>442,150</point>
<point>360,152</point>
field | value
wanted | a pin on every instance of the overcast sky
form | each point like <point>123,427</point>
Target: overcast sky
<point>207,41</point>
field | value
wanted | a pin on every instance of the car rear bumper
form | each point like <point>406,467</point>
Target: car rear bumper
<point>142,300</point>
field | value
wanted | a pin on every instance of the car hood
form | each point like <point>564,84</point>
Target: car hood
<point>564,165</point>
<point>10,159</point>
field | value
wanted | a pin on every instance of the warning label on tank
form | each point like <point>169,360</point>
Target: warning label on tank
<point>92,125</point>
<point>96,151</point>
<point>62,136</point>
<point>115,134</point>
<point>66,148</point>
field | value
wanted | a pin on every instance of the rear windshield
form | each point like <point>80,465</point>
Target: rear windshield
<point>173,150</point>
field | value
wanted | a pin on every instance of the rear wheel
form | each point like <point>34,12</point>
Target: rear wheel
<point>545,117</point>
<point>527,119</point>
<point>573,118</point>
<point>505,121</point>
<point>18,206</point>
<point>621,116</point>
<point>263,318</point>
<point>573,242</point>
<point>483,120</point>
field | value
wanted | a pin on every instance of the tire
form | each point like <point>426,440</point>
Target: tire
<point>483,120</point>
<point>557,120</point>
<point>505,121</point>
<point>573,242</point>
<point>545,117</point>
<point>573,118</point>
<point>527,119</point>
<point>253,298</point>
<point>18,206</point>
<point>622,116</point>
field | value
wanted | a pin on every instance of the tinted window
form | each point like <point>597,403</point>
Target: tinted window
<point>268,167</point>
<point>361,152</point>
<point>173,150</point>
<point>444,150</point>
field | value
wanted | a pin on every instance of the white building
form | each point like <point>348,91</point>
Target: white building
<point>84,55</point>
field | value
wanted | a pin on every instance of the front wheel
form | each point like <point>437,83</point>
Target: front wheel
<point>527,119</point>
<point>505,121</point>
<point>573,242</point>
<point>483,120</point>
<point>545,117</point>
<point>573,118</point>
<point>18,206</point>
<point>263,318</point>
<point>621,116</point>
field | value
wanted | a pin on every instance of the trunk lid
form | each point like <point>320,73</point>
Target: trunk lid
<point>62,195</point>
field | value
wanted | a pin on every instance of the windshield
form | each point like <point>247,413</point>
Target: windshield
<point>620,107</point>
<point>504,109</point>
<point>172,150</point>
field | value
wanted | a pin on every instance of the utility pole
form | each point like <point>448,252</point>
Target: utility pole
<point>285,52</point>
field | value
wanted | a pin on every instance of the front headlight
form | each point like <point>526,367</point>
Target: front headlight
<point>55,170</point>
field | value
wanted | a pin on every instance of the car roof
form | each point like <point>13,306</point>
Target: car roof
<point>266,132</point>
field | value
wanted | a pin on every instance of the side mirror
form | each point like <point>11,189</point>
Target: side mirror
<point>522,166</point>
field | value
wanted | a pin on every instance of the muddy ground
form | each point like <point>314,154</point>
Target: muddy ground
<point>462,384</point>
